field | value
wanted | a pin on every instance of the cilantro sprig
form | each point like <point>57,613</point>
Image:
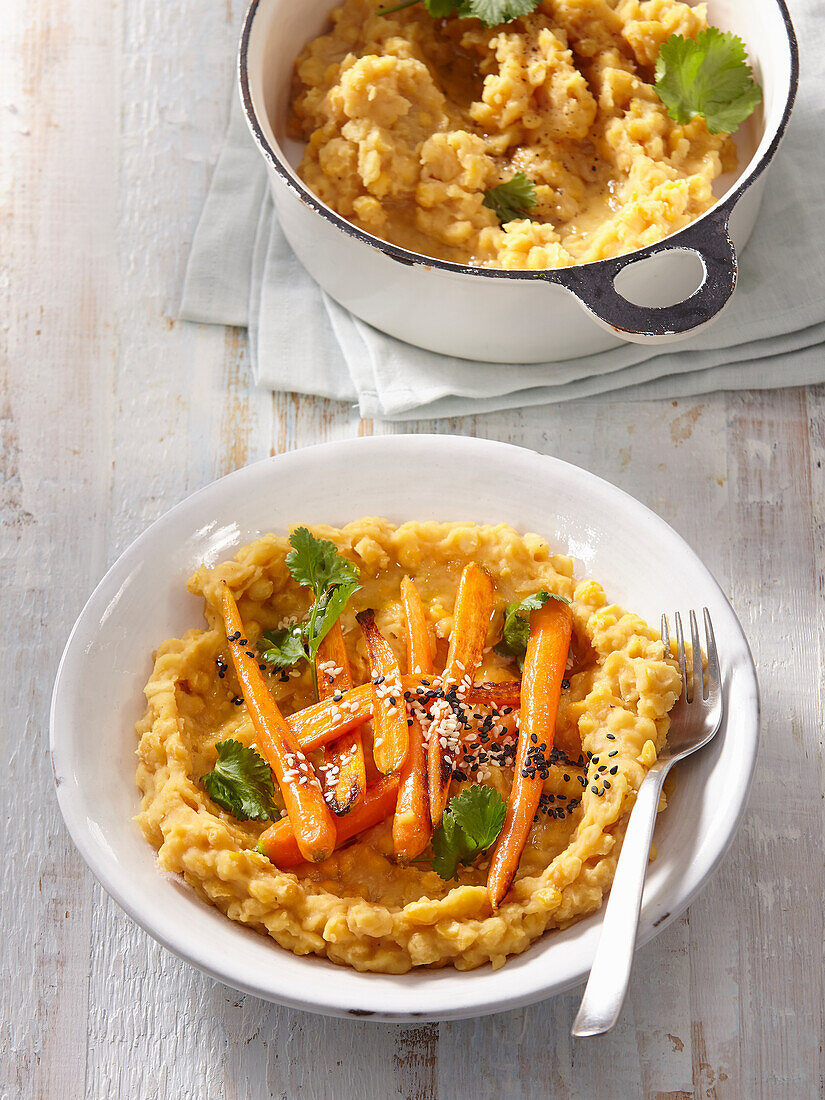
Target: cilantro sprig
<point>514,198</point>
<point>708,75</point>
<point>333,579</point>
<point>492,13</point>
<point>516,630</point>
<point>469,826</point>
<point>241,783</point>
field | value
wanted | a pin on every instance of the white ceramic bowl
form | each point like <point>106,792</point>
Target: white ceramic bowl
<point>97,698</point>
<point>659,293</point>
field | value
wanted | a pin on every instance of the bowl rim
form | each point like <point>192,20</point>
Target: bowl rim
<point>562,276</point>
<point>373,996</point>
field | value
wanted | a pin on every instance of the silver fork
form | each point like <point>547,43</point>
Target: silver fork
<point>694,720</point>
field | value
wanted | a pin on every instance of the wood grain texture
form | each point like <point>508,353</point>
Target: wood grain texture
<point>111,115</point>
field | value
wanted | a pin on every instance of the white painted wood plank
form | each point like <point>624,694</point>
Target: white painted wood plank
<point>773,583</point>
<point>57,362</point>
<point>112,411</point>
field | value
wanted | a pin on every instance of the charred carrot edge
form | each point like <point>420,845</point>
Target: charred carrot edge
<point>304,800</point>
<point>345,775</point>
<point>327,721</point>
<point>389,714</point>
<point>278,842</point>
<point>471,619</point>
<point>544,668</point>
<point>411,828</point>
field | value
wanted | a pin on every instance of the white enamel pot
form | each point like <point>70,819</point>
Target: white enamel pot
<point>661,293</point>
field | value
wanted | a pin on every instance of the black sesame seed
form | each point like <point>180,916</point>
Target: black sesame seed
<point>610,736</point>
<point>607,783</point>
<point>614,769</point>
<point>614,753</point>
<point>237,700</point>
<point>595,790</point>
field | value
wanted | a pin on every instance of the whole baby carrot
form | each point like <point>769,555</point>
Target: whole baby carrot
<point>389,715</point>
<point>345,777</point>
<point>411,829</point>
<point>471,620</point>
<point>311,819</point>
<point>324,722</point>
<point>544,668</point>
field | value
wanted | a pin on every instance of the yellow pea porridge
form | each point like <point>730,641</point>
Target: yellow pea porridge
<point>409,120</point>
<point>360,906</point>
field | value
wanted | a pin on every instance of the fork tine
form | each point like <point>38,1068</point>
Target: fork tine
<point>713,656</point>
<point>696,659</point>
<point>680,648</point>
<point>665,632</point>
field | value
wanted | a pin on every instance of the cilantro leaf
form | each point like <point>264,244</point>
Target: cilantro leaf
<point>479,812</point>
<point>469,826</point>
<point>241,783</point>
<point>512,199</point>
<point>283,648</point>
<point>492,13</point>
<point>516,630</point>
<point>709,76</point>
<point>316,563</point>
<point>326,613</point>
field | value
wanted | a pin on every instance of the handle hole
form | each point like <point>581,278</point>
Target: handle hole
<point>662,280</point>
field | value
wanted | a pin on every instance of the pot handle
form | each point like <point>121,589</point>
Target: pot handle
<point>708,239</point>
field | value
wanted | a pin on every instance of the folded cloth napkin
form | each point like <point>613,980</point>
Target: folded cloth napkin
<point>242,272</point>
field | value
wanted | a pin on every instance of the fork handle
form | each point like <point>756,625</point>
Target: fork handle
<point>610,974</point>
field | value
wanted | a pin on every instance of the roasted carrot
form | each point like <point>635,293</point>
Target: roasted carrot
<point>505,693</point>
<point>327,721</point>
<point>278,842</point>
<point>323,722</point>
<point>544,668</point>
<point>389,715</point>
<point>344,772</point>
<point>304,800</point>
<point>419,646</point>
<point>471,619</point>
<point>411,829</point>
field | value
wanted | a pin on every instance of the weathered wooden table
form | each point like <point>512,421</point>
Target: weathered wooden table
<point>111,114</point>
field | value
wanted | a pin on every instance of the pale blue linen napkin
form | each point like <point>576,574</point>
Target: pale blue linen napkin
<point>242,272</point>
